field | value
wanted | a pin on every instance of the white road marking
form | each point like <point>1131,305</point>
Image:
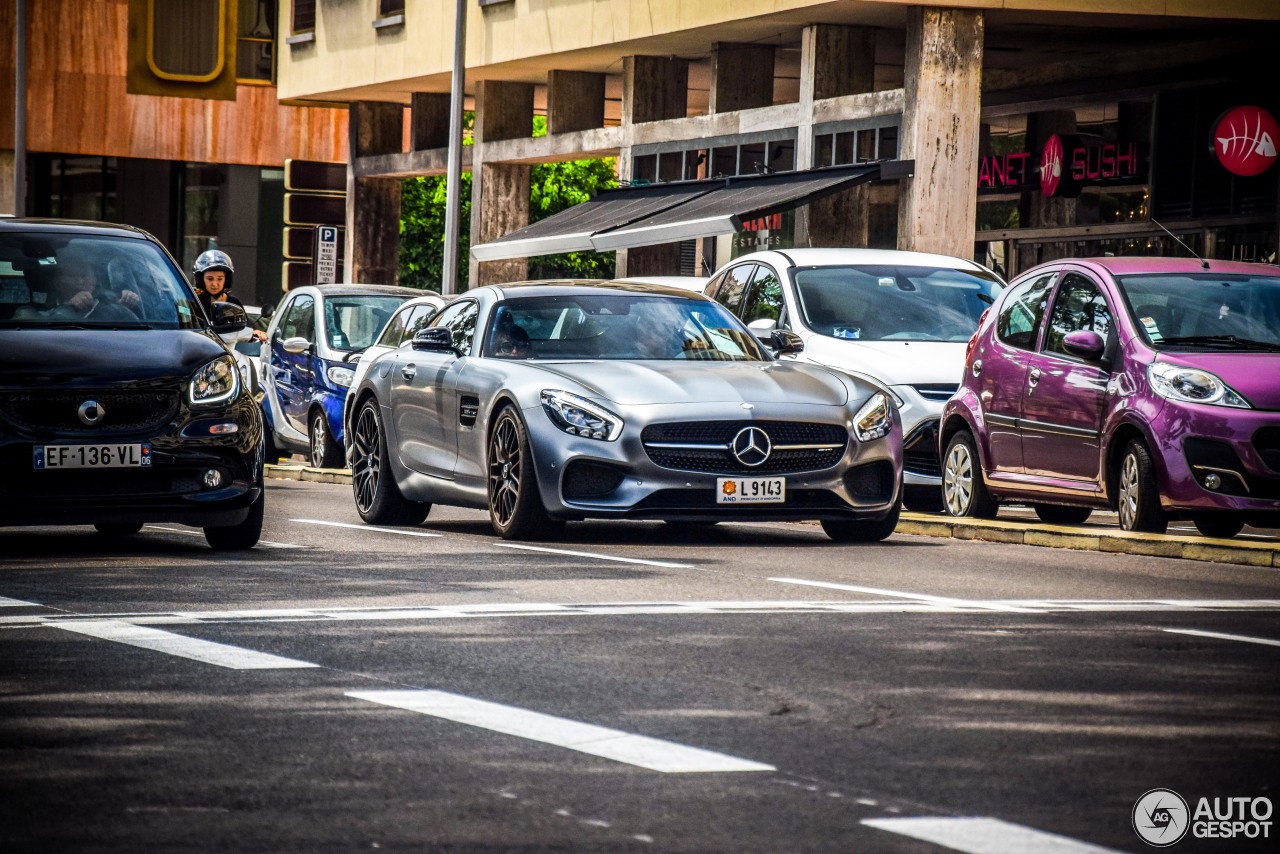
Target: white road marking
<point>266,544</point>
<point>16,603</point>
<point>920,597</point>
<point>208,652</point>
<point>984,836</point>
<point>596,556</point>
<point>652,753</point>
<point>1221,636</point>
<point>402,531</point>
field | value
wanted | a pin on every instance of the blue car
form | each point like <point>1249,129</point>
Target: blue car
<point>315,338</point>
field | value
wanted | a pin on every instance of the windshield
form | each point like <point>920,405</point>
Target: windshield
<point>353,322</point>
<point>1205,310</point>
<point>891,303</point>
<point>89,281</point>
<point>635,328</point>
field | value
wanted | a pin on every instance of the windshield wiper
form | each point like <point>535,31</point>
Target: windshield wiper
<point>1222,340</point>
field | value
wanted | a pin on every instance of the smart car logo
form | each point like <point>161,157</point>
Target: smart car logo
<point>1160,817</point>
<point>1244,140</point>
<point>751,446</point>
<point>91,412</point>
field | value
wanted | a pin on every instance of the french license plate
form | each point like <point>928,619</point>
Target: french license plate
<point>126,456</point>
<point>751,490</point>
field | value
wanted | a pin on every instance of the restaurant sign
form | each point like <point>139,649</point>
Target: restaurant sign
<point>1065,165</point>
<point>1244,140</point>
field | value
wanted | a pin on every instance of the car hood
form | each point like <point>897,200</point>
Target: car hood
<point>1251,374</point>
<point>74,357</point>
<point>890,362</point>
<point>639,383</point>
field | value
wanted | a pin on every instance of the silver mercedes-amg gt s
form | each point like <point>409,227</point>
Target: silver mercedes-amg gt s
<point>554,401</point>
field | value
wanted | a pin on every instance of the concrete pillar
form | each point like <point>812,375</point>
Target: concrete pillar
<point>741,77</point>
<point>835,60</point>
<point>940,119</point>
<point>575,101</point>
<point>654,88</point>
<point>430,121</point>
<point>499,191</point>
<point>6,181</point>
<point>373,204</point>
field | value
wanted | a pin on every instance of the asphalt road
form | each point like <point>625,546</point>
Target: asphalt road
<point>740,688</point>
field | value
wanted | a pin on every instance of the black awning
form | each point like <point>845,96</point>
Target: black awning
<point>571,230</point>
<point>735,201</point>
<point>665,213</point>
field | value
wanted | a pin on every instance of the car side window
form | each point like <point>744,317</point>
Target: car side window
<point>1019,321</point>
<point>734,287</point>
<point>300,322</point>
<point>394,333</point>
<point>1079,304</point>
<point>460,319</point>
<point>418,321</point>
<point>764,301</point>
<point>713,284</point>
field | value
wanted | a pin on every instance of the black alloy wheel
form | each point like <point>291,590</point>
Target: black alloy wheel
<point>1057,514</point>
<point>515,507</point>
<point>1138,493</point>
<point>379,500</point>
<point>1223,527</point>
<point>118,529</point>
<point>325,453</point>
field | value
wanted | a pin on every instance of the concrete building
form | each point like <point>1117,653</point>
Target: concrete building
<point>1012,131</point>
<point>164,116</point>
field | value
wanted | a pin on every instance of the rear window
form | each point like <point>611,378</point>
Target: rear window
<point>91,281</point>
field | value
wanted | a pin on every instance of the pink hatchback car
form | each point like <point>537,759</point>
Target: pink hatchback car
<point>1147,385</point>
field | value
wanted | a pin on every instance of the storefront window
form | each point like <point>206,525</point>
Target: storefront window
<point>202,183</point>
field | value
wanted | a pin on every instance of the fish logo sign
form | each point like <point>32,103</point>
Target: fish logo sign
<point>1244,140</point>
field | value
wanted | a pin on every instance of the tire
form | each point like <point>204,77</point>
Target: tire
<point>379,500</point>
<point>1222,527</point>
<point>1056,514</point>
<point>239,537</point>
<point>323,452</point>
<point>923,499</point>
<point>271,452</point>
<point>118,529</point>
<point>963,491</point>
<point>863,531</point>
<point>515,507</point>
<point>1137,493</point>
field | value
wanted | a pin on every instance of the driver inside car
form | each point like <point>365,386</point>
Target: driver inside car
<point>74,295</point>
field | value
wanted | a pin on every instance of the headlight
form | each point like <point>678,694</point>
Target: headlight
<point>874,420</point>
<point>216,382</point>
<point>1192,385</point>
<point>339,375</point>
<point>579,416</point>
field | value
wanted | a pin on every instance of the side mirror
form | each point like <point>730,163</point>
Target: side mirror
<point>228,317</point>
<point>784,341</point>
<point>297,346</point>
<point>763,330</point>
<point>437,339</point>
<point>1085,343</point>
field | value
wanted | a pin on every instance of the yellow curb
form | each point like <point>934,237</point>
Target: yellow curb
<point>307,473</point>
<point>1061,540</point>
<point>988,534</point>
<point>1148,545</point>
<point>1228,554</point>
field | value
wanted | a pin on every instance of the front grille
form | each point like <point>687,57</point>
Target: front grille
<point>938,392</point>
<point>920,451</point>
<point>1267,443</point>
<point>685,455</point>
<point>122,411</point>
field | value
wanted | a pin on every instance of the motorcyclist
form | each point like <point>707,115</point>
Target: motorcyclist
<point>214,275</point>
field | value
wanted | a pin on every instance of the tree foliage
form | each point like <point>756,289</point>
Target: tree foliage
<point>553,187</point>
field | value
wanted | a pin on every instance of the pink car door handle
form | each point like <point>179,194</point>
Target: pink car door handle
<point>1033,379</point>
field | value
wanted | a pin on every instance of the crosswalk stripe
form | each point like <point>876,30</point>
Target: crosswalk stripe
<point>1220,636</point>
<point>16,603</point>
<point>209,652</point>
<point>404,532</point>
<point>919,597</point>
<point>979,835</point>
<point>652,753</point>
<point>595,555</point>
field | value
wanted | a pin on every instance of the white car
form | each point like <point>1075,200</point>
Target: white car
<point>900,319</point>
<point>697,284</point>
<point>410,317</point>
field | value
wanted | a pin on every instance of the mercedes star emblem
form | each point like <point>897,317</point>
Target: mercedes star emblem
<point>751,446</point>
<point>91,412</point>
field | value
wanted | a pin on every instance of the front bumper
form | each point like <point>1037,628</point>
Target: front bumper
<point>1221,460</point>
<point>585,478</point>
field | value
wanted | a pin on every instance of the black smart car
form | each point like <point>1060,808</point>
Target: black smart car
<point>119,403</point>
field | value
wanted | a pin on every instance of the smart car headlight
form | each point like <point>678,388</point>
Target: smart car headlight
<point>217,382</point>
<point>874,420</point>
<point>580,417</point>
<point>1192,385</point>
<point>340,376</point>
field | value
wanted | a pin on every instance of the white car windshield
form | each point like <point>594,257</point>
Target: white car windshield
<point>1206,310</point>
<point>892,303</point>
<point>58,280</point>
<point>618,327</point>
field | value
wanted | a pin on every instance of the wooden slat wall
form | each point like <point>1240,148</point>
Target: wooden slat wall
<point>77,103</point>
